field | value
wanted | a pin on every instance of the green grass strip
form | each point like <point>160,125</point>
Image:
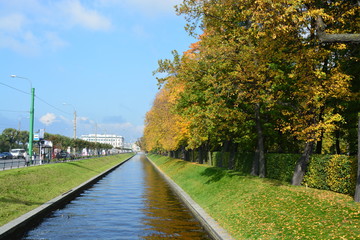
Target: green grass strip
<point>254,208</point>
<point>24,189</point>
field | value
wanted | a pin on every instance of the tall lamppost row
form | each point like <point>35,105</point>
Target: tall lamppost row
<point>31,130</point>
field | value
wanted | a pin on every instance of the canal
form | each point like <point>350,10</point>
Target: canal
<point>132,202</point>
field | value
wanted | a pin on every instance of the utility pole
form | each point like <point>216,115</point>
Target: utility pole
<point>74,124</point>
<point>31,131</point>
<point>74,118</point>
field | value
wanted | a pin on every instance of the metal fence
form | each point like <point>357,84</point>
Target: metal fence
<point>6,164</point>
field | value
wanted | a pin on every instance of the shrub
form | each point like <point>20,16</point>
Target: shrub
<point>280,166</point>
<point>315,176</point>
<point>327,172</point>
<point>341,174</point>
<point>332,172</point>
<point>243,162</point>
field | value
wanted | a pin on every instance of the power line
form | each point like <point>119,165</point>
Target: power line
<point>52,105</point>
<point>4,110</point>
<point>15,88</point>
<point>35,97</point>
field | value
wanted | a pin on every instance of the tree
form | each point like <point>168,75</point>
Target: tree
<point>23,138</point>
<point>260,65</point>
<point>10,137</point>
<point>164,130</point>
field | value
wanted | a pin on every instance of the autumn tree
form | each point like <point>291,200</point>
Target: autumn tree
<point>262,70</point>
<point>279,62</point>
<point>164,130</point>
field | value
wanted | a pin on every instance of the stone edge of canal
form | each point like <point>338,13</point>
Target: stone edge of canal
<point>210,225</point>
<point>16,227</point>
<point>19,225</point>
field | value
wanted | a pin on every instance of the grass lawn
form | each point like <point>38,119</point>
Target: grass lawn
<point>24,189</point>
<point>254,208</point>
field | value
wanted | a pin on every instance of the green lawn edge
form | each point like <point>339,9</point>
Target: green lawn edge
<point>259,208</point>
<point>24,189</point>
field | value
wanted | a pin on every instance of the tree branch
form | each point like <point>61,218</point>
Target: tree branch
<point>334,38</point>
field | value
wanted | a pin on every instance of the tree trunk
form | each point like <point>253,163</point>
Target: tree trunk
<point>233,150</point>
<point>187,155</point>
<point>223,151</point>
<point>200,155</point>
<point>258,168</point>
<point>357,190</point>
<point>210,162</point>
<point>183,153</point>
<point>255,164</point>
<point>301,165</point>
<point>319,144</point>
<point>337,142</point>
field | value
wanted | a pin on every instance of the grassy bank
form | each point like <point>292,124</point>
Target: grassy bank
<point>253,208</point>
<point>24,189</point>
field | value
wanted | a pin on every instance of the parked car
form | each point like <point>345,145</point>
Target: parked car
<point>62,154</point>
<point>18,153</point>
<point>6,155</point>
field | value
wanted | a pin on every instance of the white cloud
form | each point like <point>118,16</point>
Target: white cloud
<point>149,7</point>
<point>32,26</point>
<point>12,23</point>
<point>48,119</point>
<point>82,119</point>
<point>53,40</point>
<point>77,14</point>
<point>155,6</point>
<point>25,43</point>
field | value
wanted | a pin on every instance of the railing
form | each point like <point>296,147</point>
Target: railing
<point>6,164</point>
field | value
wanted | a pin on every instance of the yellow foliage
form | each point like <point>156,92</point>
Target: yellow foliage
<point>163,128</point>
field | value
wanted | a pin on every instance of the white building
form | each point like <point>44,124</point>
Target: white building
<point>114,140</point>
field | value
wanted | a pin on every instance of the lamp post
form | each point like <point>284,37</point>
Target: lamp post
<point>74,118</point>
<point>31,130</point>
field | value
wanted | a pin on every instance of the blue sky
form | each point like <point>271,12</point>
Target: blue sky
<point>95,55</point>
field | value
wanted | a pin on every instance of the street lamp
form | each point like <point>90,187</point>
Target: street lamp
<point>74,118</point>
<point>31,130</point>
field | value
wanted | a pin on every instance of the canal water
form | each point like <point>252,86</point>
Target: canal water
<point>132,202</point>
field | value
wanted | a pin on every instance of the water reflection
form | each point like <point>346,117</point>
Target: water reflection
<point>133,202</point>
<point>165,215</point>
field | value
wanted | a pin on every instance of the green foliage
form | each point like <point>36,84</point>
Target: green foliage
<point>264,58</point>
<point>316,173</point>
<point>341,174</point>
<point>332,172</point>
<point>243,162</point>
<point>327,172</point>
<point>280,166</point>
<point>12,138</point>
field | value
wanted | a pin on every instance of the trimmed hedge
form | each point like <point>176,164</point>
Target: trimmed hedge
<point>327,172</point>
<point>280,166</point>
<point>332,172</point>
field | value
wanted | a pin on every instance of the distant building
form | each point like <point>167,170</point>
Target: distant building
<point>135,147</point>
<point>114,140</point>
